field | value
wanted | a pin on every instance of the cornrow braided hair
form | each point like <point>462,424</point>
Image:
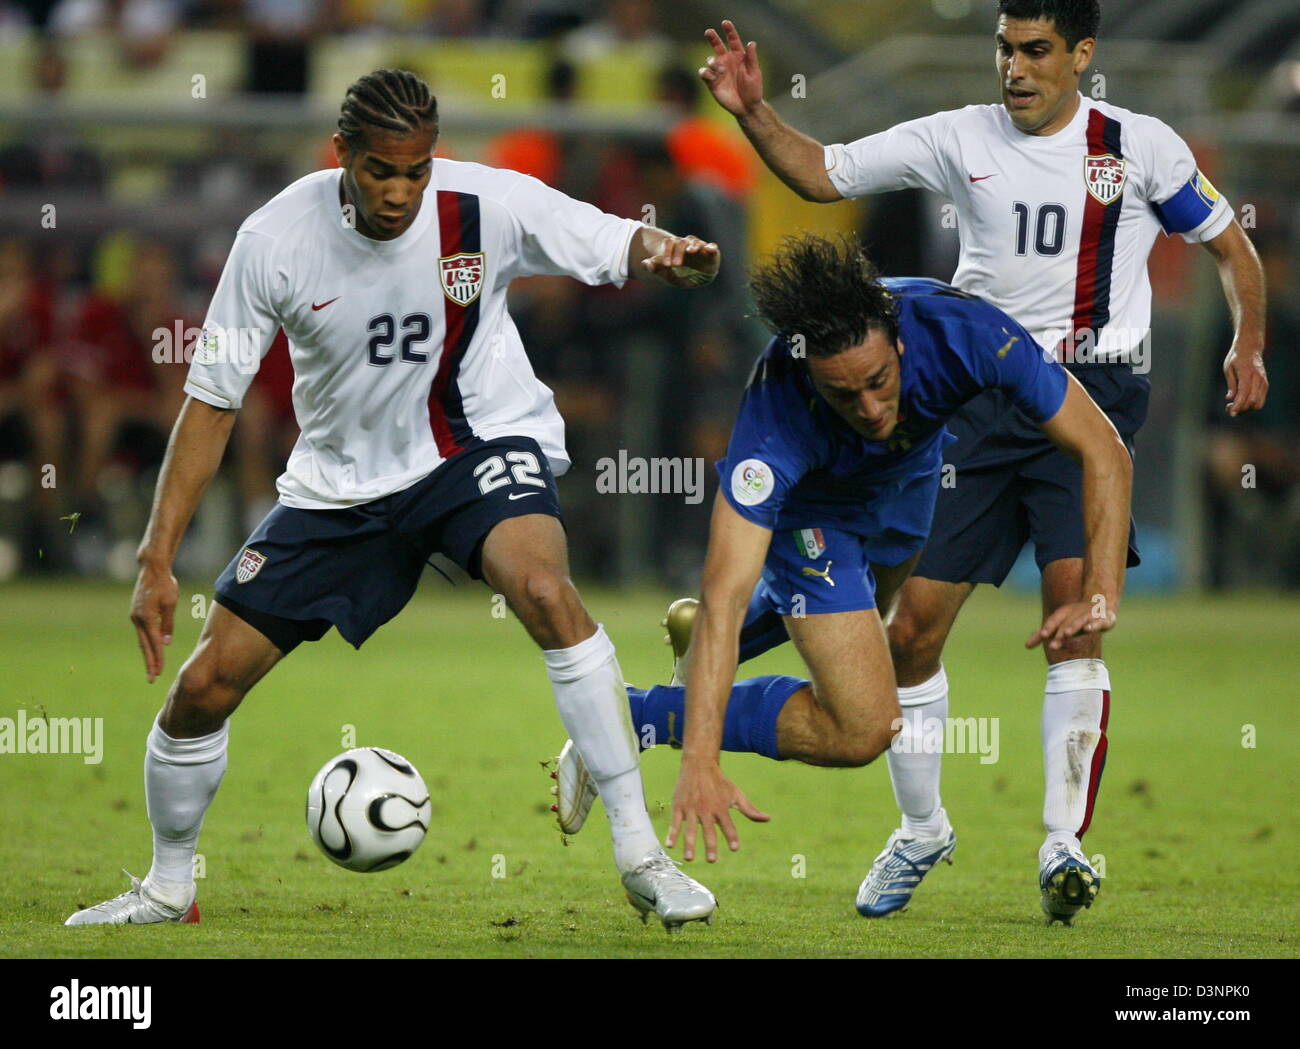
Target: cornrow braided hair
<point>389,99</point>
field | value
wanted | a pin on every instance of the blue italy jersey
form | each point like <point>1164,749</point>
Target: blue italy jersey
<point>792,463</point>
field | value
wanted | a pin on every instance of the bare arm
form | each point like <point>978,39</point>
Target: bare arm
<point>1242,277</point>
<point>194,453</point>
<point>735,79</point>
<point>1083,432</point>
<point>737,549</point>
<point>679,262</point>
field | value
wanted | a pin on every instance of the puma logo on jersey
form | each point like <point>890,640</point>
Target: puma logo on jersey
<point>1007,348</point>
<point>821,573</point>
<point>324,304</point>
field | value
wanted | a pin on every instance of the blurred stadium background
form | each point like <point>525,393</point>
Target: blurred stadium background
<point>136,135</point>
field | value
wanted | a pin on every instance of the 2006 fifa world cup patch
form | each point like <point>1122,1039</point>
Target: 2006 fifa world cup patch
<point>752,482</point>
<point>250,563</point>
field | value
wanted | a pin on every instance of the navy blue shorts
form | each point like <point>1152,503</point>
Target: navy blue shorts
<point>356,567</point>
<point>1012,484</point>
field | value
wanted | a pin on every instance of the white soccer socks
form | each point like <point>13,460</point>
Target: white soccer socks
<point>181,777</point>
<point>912,770</point>
<point>592,701</point>
<point>1076,708</point>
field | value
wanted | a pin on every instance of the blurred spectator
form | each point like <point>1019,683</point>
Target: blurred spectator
<point>1253,461</point>
<point>50,152</point>
<point>701,148</point>
<point>126,362</point>
<point>280,33</point>
<point>537,151</point>
<point>142,29</point>
<point>623,23</point>
<point>32,423</point>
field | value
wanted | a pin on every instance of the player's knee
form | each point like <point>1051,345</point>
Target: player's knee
<point>858,747</point>
<point>915,644</point>
<point>204,694</point>
<point>547,594</point>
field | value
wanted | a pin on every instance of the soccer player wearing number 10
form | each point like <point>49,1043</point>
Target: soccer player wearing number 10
<point>424,430</point>
<point>1059,200</point>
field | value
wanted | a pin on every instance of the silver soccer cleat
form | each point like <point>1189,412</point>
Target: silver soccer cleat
<point>135,907</point>
<point>657,884</point>
<point>574,790</point>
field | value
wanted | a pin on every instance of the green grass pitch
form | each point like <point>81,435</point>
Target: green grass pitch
<point>1197,831</point>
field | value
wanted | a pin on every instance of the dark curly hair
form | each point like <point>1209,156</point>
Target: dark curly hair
<point>388,99</point>
<point>828,291</point>
<point>1075,19</point>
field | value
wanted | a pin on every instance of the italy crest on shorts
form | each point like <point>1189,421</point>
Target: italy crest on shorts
<point>462,276</point>
<point>250,563</point>
<point>1105,176</point>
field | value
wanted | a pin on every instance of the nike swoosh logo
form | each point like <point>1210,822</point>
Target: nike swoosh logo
<point>525,495</point>
<point>324,304</point>
<point>982,177</point>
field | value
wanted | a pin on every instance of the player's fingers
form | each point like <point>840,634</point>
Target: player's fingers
<point>729,832</point>
<point>688,841</point>
<point>146,650</point>
<point>671,839</point>
<point>750,810</point>
<point>715,41</point>
<point>751,55</point>
<point>710,839</point>
<point>733,37</point>
<point>168,614</point>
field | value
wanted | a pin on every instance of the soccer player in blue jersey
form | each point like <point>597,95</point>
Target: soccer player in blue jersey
<point>827,493</point>
<point>1059,198</point>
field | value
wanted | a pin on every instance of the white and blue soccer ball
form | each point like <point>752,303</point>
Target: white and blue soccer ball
<point>368,809</point>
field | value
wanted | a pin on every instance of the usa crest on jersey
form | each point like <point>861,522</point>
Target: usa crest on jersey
<point>250,563</point>
<point>1105,176</point>
<point>462,276</point>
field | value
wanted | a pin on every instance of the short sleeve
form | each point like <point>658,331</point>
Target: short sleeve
<point>1001,354</point>
<point>769,452</point>
<point>907,156</point>
<point>241,324</point>
<point>1183,199</point>
<point>560,236</point>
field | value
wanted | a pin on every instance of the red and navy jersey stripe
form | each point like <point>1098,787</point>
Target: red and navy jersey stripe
<point>458,222</point>
<point>1097,242</point>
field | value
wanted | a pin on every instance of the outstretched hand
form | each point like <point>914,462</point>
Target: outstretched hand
<point>1080,617</point>
<point>706,797</point>
<point>685,262</point>
<point>732,73</point>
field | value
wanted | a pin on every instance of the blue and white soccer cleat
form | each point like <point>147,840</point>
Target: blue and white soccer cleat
<point>898,870</point>
<point>1067,881</point>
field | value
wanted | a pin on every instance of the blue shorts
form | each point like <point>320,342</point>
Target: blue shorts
<point>814,571</point>
<point>356,567</point>
<point>1012,484</point>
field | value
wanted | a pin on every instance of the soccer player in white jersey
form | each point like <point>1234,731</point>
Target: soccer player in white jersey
<point>424,430</point>
<point>1059,198</point>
